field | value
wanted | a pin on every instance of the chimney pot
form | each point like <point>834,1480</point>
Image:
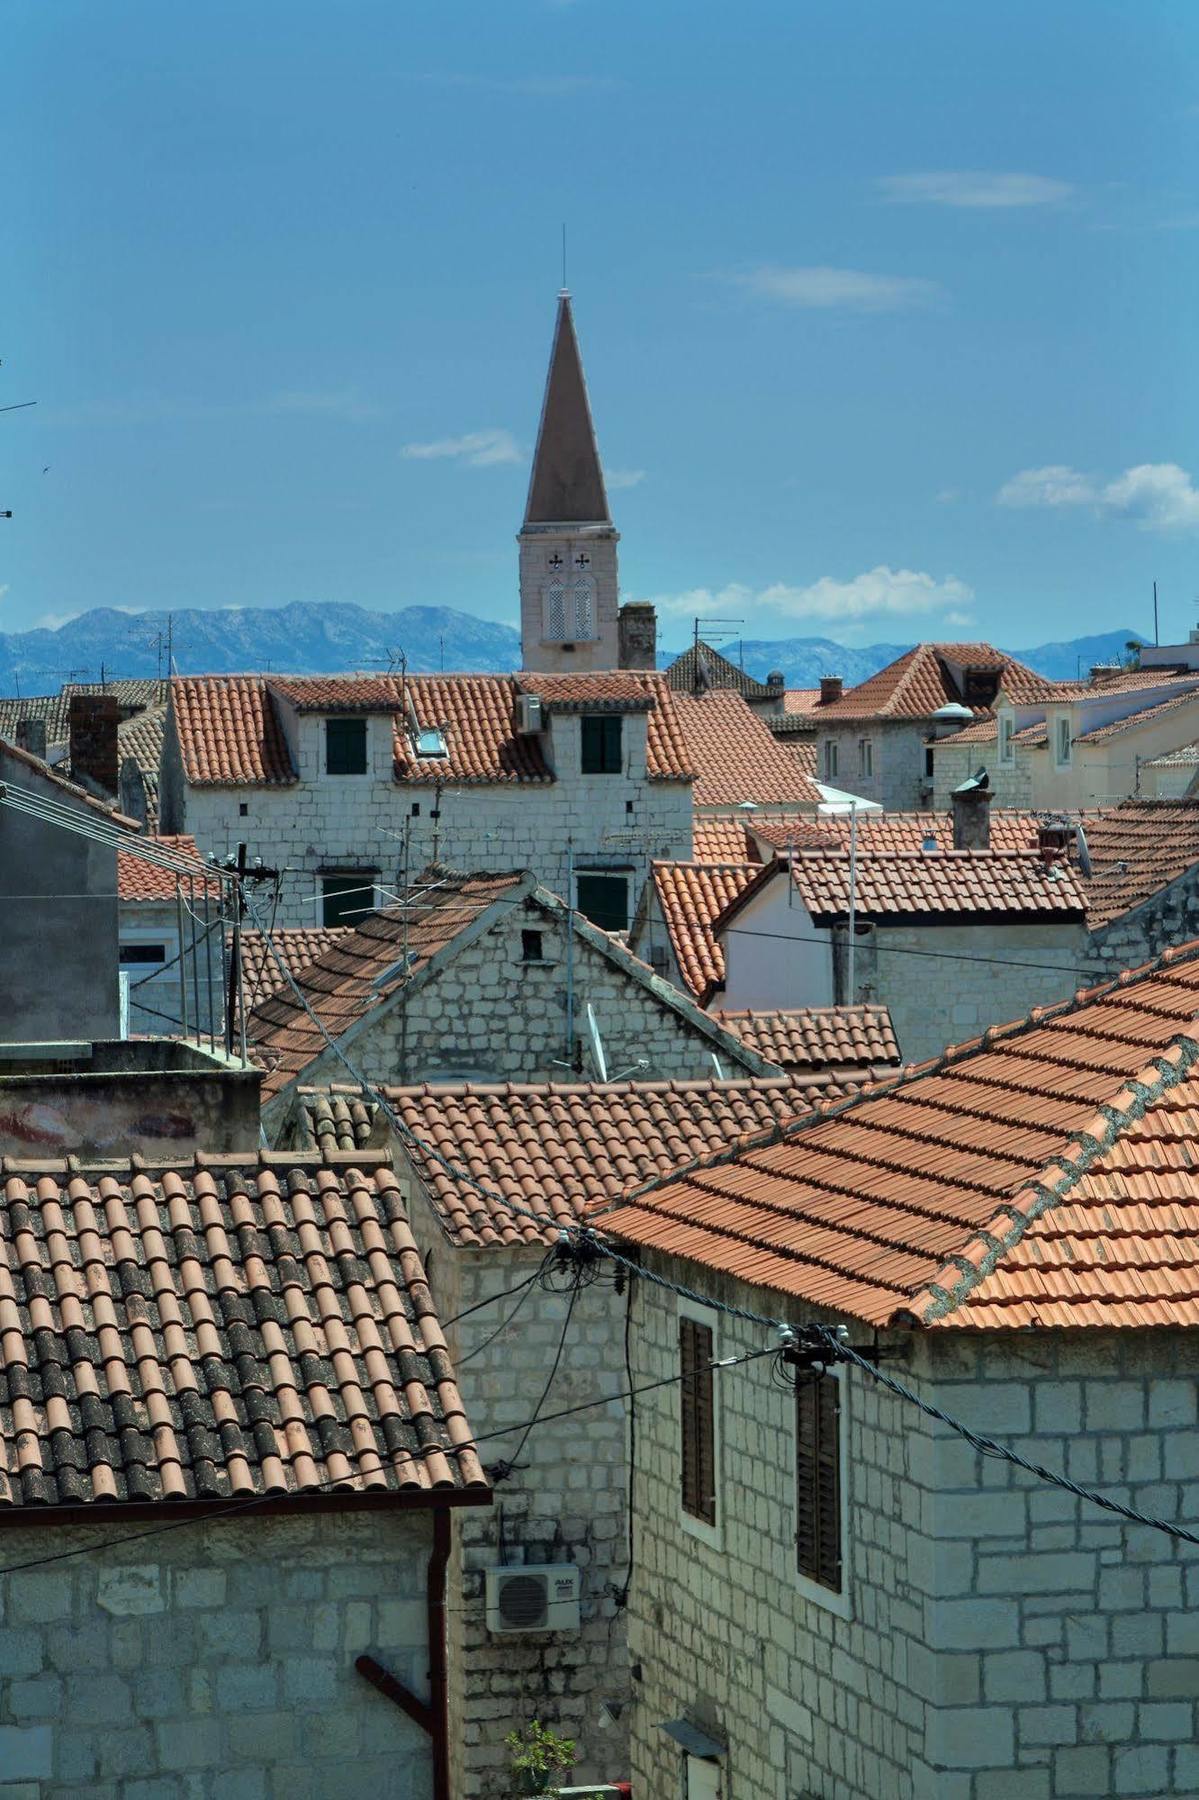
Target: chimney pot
<point>776,680</point>
<point>1102,673</point>
<point>94,746</point>
<point>831,688</point>
<point>637,639</point>
<point>972,819</point>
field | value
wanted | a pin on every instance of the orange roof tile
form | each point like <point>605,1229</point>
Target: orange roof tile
<point>817,1036</point>
<point>1137,849</point>
<point>141,880</point>
<point>800,701</point>
<point>1147,716</point>
<point>476,714</point>
<point>719,840</point>
<point>701,663</point>
<point>1041,1175</point>
<point>229,735</point>
<point>236,1329</point>
<point>735,756</point>
<point>297,947</point>
<point>917,683</point>
<point>553,1149</point>
<point>337,693</point>
<point>1010,830</point>
<point>913,885</point>
<point>691,896</point>
<point>668,755</point>
<point>364,968</point>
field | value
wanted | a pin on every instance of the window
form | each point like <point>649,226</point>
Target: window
<point>554,610</point>
<point>142,955</point>
<point>601,744</point>
<point>697,1417</point>
<point>830,759</point>
<point>930,767</point>
<point>347,898</point>
<point>243,809</point>
<point>568,610</point>
<point>345,746</point>
<point>818,1480</point>
<point>604,899</point>
<point>866,756</point>
<point>530,946</point>
<point>583,595</point>
<point>1006,752</point>
<point>1063,740</point>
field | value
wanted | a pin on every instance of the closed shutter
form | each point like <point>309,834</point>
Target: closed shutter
<point>698,1422</point>
<point>555,612</point>
<point>818,1480</point>
<point>584,609</point>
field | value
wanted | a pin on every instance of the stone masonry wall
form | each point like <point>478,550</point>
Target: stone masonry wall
<point>898,754</point>
<point>999,1640</point>
<point>215,1662</point>
<point>360,821</point>
<point>1170,917</point>
<point>947,984</point>
<point>566,1502</point>
<point>1011,783</point>
<point>488,1015</point>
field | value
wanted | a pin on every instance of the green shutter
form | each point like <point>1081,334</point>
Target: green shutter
<point>345,746</point>
<point>604,899</point>
<point>601,744</point>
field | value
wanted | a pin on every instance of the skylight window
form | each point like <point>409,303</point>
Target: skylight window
<point>430,744</point>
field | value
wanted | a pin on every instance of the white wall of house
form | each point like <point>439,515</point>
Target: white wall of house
<point>774,954</point>
<point>996,1639</point>
<point>352,823</point>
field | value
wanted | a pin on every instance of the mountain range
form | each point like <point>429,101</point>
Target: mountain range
<point>309,639</point>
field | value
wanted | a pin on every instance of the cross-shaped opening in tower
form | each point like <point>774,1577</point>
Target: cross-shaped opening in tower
<point>582,560</point>
<point>555,561</point>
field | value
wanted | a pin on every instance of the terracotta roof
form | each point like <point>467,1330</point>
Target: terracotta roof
<point>133,692</point>
<point>337,693</point>
<point>720,840</point>
<point>983,731</point>
<point>699,662</point>
<point>1184,757</point>
<point>229,735</point>
<point>558,1149</point>
<point>624,690</point>
<point>1136,850</point>
<point>232,1329</point>
<point>363,968</point>
<point>1043,1175</point>
<point>46,773</point>
<point>800,701</point>
<point>908,884</point>
<point>141,738</point>
<point>1011,829</point>
<point>814,1037</point>
<point>917,683</point>
<point>735,755</point>
<point>1147,716</point>
<point>476,714</point>
<point>298,946</point>
<point>55,709</point>
<point>141,880</point>
<point>691,896</point>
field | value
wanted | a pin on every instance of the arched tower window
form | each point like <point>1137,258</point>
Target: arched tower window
<point>582,591</point>
<point>554,604</point>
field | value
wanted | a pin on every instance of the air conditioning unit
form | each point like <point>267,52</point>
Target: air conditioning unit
<point>533,1597</point>
<point>529,714</point>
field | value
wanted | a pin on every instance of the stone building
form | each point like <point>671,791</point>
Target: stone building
<point>878,739</point>
<point>834,1596</point>
<point>171,944</point>
<point>345,782</point>
<point>550,1151</point>
<point>1078,744</point>
<point>486,978</point>
<point>254,1363</point>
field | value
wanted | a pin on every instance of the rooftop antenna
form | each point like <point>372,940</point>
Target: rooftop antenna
<point>1156,638</point>
<point>564,288</point>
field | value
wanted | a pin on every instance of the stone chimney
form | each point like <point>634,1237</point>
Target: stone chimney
<point>94,750</point>
<point>776,681</point>
<point>831,688</point>
<point>1053,842</point>
<point>637,625</point>
<point>971,818</point>
<point>31,736</point>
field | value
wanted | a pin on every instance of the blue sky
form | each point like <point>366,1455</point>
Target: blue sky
<point>887,312</point>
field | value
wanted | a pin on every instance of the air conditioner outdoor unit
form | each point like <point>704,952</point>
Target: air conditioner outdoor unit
<point>533,1597</point>
<point>529,714</point>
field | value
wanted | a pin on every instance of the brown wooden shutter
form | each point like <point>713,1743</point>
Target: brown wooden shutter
<point>698,1423</point>
<point>818,1480</point>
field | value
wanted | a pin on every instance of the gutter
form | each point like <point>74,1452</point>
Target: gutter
<point>433,1715</point>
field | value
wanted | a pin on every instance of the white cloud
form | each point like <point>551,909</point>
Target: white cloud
<point>881,592</point>
<point>53,621</point>
<point>974,188</point>
<point>343,404</point>
<point>1155,496</point>
<point>947,496</point>
<point>475,449</point>
<point>851,290</point>
<point>615,479</point>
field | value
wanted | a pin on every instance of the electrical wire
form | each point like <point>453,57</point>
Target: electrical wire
<point>508,1466</point>
<point>461,1361</point>
<point>502,1294</point>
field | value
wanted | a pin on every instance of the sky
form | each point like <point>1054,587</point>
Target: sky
<point>888,313</point>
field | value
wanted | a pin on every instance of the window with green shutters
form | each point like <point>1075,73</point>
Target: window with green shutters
<point>345,746</point>
<point>347,898</point>
<point>601,743</point>
<point>818,1479</point>
<point>604,899</point>
<point>697,1420</point>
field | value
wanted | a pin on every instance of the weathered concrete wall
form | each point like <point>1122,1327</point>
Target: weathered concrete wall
<point>215,1662</point>
<point>58,922</point>
<point>998,1639</point>
<point>565,1503</point>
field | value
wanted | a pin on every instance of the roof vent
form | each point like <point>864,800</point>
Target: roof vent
<point>930,845</point>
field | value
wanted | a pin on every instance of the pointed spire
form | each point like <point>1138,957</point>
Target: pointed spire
<point>567,483</point>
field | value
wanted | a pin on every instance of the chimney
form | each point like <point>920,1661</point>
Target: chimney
<point>94,753</point>
<point>776,681</point>
<point>971,818</point>
<point>31,736</point>
<point>831,688</point>
<point>1053,842</point>
<point>1102,673</point>
<point>637,625</point>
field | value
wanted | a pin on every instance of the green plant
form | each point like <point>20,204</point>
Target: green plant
<point>539,1757</point>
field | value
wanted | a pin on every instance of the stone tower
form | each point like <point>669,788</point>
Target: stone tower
<point>569,596</point>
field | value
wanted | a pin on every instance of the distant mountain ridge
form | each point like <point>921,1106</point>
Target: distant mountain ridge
<point>321,639</point>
